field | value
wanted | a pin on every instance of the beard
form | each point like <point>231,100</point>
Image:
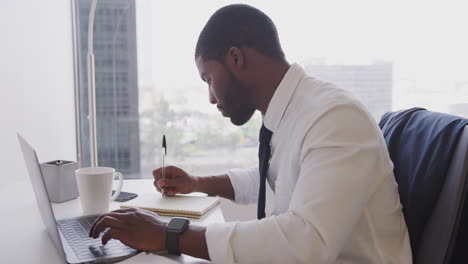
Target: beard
<point>236,102</point>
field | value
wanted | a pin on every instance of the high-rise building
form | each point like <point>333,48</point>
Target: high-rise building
<point>116,84</point>
<point>372,83</point>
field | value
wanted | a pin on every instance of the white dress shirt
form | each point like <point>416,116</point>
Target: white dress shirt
<point>332,197</point>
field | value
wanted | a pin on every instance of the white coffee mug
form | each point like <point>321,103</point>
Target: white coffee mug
<point>95,188</point>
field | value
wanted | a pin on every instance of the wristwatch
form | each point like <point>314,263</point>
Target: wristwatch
<point>174,229</point>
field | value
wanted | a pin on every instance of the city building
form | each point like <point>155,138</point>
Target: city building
<point>116,84</point>
<point>372,83</point>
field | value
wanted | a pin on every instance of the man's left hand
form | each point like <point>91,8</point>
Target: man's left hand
<point>136,228</point>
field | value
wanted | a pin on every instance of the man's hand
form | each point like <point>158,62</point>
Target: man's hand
<point>177,181</point>
<point>136,228</point>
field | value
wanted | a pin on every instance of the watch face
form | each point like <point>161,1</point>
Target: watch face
<point>177,223</point>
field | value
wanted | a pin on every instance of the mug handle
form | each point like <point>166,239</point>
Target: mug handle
<point>117,192</point>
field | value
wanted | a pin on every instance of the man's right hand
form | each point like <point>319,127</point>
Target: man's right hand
<point>177,181</point>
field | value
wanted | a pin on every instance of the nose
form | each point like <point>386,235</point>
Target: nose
<point>211,98</point>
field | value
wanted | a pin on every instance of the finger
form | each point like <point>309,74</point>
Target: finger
<point>167,183</point>
<point>157,173</point>
<point>107,222</point>
<point>111,234</point>
<point>121,215</point>
<point>91,230</point>
<point>155,183</point>
<point>170,191</point>
<point>99,219</point>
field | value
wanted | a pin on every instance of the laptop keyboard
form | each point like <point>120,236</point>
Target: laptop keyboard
<point>76,232</point>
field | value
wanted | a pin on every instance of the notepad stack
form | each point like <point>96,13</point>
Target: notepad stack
<point>178,205</point>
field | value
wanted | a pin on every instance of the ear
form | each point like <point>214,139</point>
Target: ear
<point>235,59</point>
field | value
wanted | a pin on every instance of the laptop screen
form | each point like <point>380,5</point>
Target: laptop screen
<point>40,191</point>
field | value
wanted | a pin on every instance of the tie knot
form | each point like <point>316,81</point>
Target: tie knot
<point>265,135</point>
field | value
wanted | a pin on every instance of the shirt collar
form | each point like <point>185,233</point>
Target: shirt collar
<point>282,96</point>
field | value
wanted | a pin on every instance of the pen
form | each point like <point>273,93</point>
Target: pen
<point>164,152</point>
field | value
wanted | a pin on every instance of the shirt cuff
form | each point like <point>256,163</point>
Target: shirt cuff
<point>245,184</point>
<point>218,236</point>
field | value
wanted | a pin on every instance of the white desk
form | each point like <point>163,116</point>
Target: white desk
<point>23,238</point>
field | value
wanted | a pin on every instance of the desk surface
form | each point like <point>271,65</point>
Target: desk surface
<point>24,238</point>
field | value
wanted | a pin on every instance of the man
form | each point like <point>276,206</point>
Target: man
<point>325,175</point>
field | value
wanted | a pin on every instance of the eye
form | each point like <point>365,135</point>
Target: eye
<point>208,81</point>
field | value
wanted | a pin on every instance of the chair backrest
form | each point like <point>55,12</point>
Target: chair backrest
<point>429,151</point>
<point>440,232</point>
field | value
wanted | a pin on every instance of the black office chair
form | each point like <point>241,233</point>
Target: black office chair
<point>430,155</point>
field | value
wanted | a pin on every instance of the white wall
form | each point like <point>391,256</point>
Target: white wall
<point>36,84</point>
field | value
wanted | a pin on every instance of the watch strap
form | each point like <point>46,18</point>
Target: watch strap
<point>172,243</point>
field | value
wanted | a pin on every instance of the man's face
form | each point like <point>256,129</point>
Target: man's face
<point>226,91</point>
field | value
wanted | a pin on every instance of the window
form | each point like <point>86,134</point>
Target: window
<point>393,55</point>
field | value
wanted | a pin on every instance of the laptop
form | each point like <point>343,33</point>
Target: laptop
<point>70,236</point>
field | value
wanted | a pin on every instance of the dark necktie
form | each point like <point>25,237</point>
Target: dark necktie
<point>263,157</point>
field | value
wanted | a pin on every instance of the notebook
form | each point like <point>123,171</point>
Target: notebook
<point>190,206</point>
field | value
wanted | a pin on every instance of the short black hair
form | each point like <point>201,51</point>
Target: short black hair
<point>236,26</point>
